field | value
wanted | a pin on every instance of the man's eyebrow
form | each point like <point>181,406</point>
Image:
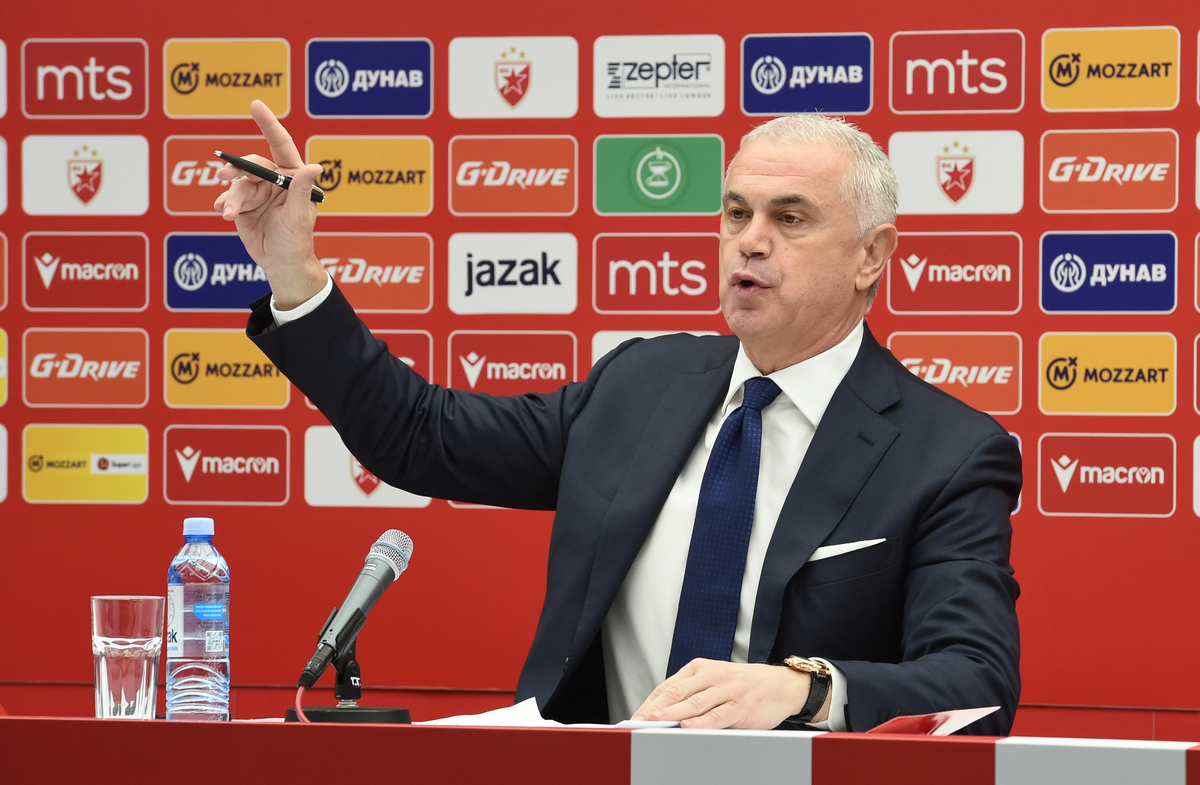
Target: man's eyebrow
<point>779,201</point>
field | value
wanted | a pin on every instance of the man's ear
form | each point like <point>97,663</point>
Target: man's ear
<point>878,246</point>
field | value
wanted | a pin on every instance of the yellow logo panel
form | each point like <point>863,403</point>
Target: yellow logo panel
<point>220,369</point>
<point>1107,373</point>
<point>3,367</point>
<point>1110,68</point>
<point>374,175</point>
<point>219,77</point>
<point>86,464</point>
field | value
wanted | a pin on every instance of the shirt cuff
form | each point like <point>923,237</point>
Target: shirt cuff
<point>304,308</point>
<point>837,700</point>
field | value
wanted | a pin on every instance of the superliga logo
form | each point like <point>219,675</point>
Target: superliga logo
<point>1107,373</point>
<point>1106,475</point>
<point>218,369</point>
<point>656,273</point>
<point>1110,69</point>
<point>955,272</point>
<point>84,78</point>
<point>783,74</point>
<point>382,272</point>
<point>513,273</point>
<point>374,175</point>
<point>957,72</point>
<point>369,77</point>
<point>511,362</point>
<point>981,369</point>
<point>219,77</point>
<point>85,464</point>
<point>86,368</point>
<point>1110,171</point>
<point>658,76</point>
<point>85,271</point>
<point>513,175</point>
<point>1108,272</point>
<point>226,464</point>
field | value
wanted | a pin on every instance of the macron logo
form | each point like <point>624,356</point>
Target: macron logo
<point>47,265</point>
<point>1064,469</point>
<point>187,461</point>
<point>913,268</point>
<point>472,364</point>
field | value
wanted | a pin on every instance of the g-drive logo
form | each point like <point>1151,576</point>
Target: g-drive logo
<point>784,74</point>
<point>377,77</point>
<point>1108,272</point>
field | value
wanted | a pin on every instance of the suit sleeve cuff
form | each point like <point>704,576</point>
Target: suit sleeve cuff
<point>837,699</point>
<point>304,308</point>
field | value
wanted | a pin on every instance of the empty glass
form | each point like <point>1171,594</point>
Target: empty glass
<point>126,641</point>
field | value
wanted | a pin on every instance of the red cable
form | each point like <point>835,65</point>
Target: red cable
<point>300,711</point>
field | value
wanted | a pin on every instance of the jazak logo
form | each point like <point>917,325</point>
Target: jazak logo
<point>1108,272</point>
<point>220,369</point>
<point>369,77</point>
<point>785,74</point>
<point>1110,69</point>
<point>521,76</point>
<point>85,271</point>
<point>86,368</point>
<point>209,271</point>
<point>374,175</point>
<point>605,341</point>
<point>511,362</point>
<point>190,170</point>
<point>958,72</point>
<point>646,175</point>
<point>513,175</point>
<point>983,370</point>
<point>84,78</point>
<point>959,172</point>
<point>219,77</point>
<point>380,273</point>
<point>656,273</point>
<point>96,175</point>
<point>334,478</point>
<point>85,464</point>
<point>1107,373</point>
<point>226,464</point>
<point>3,367</point>
<point>1125,170</point>
<point>658,76</point>
<point>955,273</point>
<point>513,273</point>
<point>1106,475</point>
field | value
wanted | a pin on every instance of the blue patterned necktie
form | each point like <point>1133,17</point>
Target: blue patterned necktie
<point>712,583</point>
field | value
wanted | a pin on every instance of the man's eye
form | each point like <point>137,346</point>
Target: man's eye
<point>789,218</point>
<point>736,214</point>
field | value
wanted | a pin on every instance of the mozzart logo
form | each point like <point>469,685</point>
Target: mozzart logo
<point>369,77</point>
<point>219,77</point>
<point>958,71</point>
<point>1108,272</point>
<point>88,78</point>
<point>217,369</point>
<point>981,369</point>
<point>1107,373</point>
<point>210,272</point>
<point>225,464</point>
<point>92,464</point>
<point>1132,171</point>
<point>959,172</point>
<point>521,76</point>
<point>92,271</point>
<point>380,273</point>
<point>1110,68</point>
<point>782,74</point>
<point>658,76</point>
<point>374,175</point>
<point>513,175</point>
<point>511,362</point>
<point>1106,475</point>
<point>513,273</point>
<point>190,169</point>
<point>86,368</point>
<point>646,175</point>
<point>335,478</point>
<point>86,175</point>
<point>656,273</point>
<point>960,273</point>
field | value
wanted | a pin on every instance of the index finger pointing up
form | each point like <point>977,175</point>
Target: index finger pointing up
<point>283,149</point>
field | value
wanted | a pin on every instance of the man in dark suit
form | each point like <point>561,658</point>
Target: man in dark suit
<point>868,548</point>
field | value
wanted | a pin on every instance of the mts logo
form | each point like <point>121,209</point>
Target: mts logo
<point>1106,475</point>
<point>511,362</point>
<point>656,273</point>
<point>981,369</point>
<point>967,71</point>
<point>84,78</point>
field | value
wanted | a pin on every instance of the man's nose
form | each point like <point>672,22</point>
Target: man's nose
<point>755,239</point>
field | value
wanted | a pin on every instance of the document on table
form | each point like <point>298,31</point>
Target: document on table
<point>526,715</point>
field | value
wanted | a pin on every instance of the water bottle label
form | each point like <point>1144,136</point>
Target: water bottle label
<point>174,621</point>
<point>209,611</point>
<point>214,642</point>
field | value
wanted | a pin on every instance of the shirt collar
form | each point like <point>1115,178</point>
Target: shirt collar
<point>809,384</point>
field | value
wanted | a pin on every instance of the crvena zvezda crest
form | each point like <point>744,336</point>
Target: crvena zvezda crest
<point>512,76</point>
<point>366,482</point>
<point>955,171</point>
<point>84,177</point>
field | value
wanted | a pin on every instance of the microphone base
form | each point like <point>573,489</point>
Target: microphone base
<point>357,714</point>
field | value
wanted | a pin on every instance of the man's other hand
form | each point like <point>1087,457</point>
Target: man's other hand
<point>275,225</point>
<point>715,694</point>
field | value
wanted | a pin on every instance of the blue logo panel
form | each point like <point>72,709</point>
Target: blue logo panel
<point>370,78</point>
<point>1099,272</point>
<point>785,74</point>
<point>211,272</point>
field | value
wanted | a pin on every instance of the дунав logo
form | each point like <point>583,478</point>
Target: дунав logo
<point>369,77</point>
<point>210,271</point>
<point>331,78</point>
<point>1108,272</point>
<point>786,74</point>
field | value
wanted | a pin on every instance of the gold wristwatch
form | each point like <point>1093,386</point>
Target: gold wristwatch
<point>820,681</point>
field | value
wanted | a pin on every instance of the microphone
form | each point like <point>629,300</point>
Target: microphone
<point>387,559</point>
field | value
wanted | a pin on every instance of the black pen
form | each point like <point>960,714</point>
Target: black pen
<point>282,180</point>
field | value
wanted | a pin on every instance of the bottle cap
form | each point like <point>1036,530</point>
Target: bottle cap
<point>198,526</point>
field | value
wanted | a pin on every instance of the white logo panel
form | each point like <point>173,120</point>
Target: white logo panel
<point>85,175</point>
<point>519,76</point>
<point>513,273</point>
<point>959,172</point>
<point>3,80</point>
<point>605,341</point>
<point>658,76</point>
<point>333,478</point>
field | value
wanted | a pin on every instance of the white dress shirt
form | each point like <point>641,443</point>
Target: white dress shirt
<point>640,625</point>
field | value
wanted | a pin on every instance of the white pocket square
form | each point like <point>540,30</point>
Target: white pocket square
<point>846,547</point>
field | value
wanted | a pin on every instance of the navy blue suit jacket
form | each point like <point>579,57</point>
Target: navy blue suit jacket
<point>925,621</point>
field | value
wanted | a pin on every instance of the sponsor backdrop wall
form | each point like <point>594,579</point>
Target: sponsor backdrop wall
<point>510,193</point>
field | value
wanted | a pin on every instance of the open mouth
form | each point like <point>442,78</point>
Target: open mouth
<point>746,282</point>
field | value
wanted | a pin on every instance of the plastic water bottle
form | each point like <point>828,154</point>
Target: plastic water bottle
<point>198,628</point>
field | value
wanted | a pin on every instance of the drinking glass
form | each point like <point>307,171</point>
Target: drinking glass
<point>126,641</point>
